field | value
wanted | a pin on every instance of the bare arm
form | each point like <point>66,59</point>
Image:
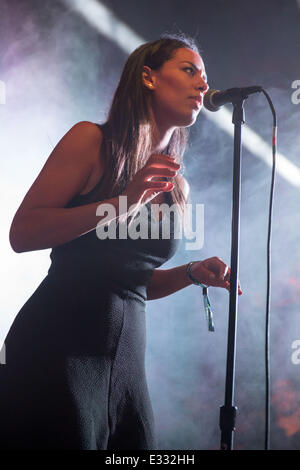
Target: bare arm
<point>210,272</point>
<point>44,228</point>
<point>41,220</point>
<point>167,281</point>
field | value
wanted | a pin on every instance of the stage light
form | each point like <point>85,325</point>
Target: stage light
<point>107,23</point>
<point>257,146</point>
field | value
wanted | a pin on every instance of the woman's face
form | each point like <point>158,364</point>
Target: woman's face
<point>178,88</point>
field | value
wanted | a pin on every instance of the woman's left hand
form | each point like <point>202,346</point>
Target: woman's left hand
<point>213,272</point>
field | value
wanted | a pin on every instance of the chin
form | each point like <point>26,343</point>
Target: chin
<point>182,119</point>
<point>188,121</point>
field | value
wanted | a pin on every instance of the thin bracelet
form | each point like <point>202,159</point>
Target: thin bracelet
<point>192,278</point>
<point>207,305</point>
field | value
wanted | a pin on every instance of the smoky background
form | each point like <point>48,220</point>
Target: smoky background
<point>58,69</point>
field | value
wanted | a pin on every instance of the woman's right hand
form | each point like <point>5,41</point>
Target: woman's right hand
<point>146,183</point>
<point>213,272</point>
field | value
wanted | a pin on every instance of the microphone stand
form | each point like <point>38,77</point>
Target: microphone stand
<point>228,411</point>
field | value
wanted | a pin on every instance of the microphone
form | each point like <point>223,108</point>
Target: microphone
<point>214,99</point>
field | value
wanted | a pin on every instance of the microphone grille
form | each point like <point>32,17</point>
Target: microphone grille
<point>208,103</point>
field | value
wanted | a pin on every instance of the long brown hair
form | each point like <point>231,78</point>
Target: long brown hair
<point>128,131</point>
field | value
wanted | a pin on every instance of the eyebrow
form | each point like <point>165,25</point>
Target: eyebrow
<point>195,67</point>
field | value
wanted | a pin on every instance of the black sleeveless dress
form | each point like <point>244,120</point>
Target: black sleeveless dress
<point>74,376</point>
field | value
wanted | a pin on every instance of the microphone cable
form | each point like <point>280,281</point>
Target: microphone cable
<point>267,321</point>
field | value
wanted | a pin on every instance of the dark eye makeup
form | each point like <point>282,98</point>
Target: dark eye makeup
<point>191,70</point>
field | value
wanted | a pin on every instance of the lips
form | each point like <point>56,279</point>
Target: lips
<point>197,100</point>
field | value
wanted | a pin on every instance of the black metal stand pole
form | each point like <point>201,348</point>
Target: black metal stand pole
<point>228,411</point>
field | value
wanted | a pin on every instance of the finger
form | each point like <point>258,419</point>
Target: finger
<point>212,278</point>
<point>158,185</point>
<point>227,275</point>
<point>151,172</point>
<point>225,272</point>
<point>227,278</point>
<point>221,271</point>
<point>161,156</point>
<point>239,288</point>
<point>218,266</point>
<point>160,159</point>
<point>240,292</point>
<point>209,278</point>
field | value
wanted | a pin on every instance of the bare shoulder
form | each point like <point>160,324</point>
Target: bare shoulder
<point>86,131</point>
<point>87,138</point>
<point>87,127</point>
<point>184,185</point>
<point>68,169</point>
<point>80,143</point>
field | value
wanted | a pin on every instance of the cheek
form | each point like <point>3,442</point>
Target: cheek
<point>175,85</point>
<point>172,91</point>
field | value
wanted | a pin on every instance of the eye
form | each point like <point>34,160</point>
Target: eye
<point>189,70</point>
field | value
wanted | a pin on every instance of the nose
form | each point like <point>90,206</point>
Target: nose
<point>202,85</point>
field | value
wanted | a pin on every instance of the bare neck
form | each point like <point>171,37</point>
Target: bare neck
<point>161,139</point>
<point>162,133</point>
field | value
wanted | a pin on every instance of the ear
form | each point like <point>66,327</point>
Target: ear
<point>148,77</point>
